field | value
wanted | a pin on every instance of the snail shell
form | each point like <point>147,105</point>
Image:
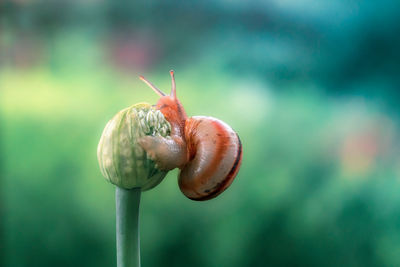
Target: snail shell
<point>215,155</point>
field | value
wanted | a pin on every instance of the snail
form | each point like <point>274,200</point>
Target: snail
<point>207,151</point>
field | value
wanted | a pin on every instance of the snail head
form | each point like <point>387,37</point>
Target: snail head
<point>169,105</point>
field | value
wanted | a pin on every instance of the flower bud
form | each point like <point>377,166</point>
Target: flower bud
<point>122,160</point>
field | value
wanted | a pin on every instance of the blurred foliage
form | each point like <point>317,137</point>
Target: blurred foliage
<point>311,87</point>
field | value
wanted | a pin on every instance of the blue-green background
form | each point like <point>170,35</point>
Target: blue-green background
<point>312,88</point>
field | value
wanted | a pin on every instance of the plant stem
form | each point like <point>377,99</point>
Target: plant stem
<point>128,246</point>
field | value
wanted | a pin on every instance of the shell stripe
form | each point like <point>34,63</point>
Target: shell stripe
<point>218,154</point>
<point>215,153</point>
<point>229,178</point>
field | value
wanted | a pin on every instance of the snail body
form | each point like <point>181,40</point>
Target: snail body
<point>206,150</point>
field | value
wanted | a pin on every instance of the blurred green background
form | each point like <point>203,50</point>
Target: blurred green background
<point>312,87</point>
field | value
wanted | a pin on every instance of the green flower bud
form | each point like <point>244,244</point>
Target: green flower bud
<point>122,160</point>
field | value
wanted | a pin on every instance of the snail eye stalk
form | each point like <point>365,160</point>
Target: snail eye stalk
<point>152,86</point>
<point>173,87</point>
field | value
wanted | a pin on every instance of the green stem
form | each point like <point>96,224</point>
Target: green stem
<point>128,247</point>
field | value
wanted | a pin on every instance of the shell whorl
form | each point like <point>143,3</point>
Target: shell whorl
<point>215,157</point>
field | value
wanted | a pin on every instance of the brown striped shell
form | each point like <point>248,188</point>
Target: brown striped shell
<point>215,155</point>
